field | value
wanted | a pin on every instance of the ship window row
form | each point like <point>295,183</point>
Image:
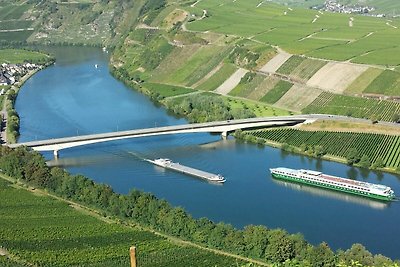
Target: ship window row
<point>334,183</point>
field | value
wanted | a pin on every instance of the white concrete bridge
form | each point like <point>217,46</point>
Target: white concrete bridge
<point>221,127</point>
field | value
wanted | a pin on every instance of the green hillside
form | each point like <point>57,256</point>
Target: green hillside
<point>40,230</point>
<point>316,34</point>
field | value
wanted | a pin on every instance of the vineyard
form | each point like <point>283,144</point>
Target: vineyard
<point>329,103</point>
<point>43,231</point>
<point>375,146</point>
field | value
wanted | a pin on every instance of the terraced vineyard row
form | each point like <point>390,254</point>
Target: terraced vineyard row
<point>386,147</point>
<point>329,103</point>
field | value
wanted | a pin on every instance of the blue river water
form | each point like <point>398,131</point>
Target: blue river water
<point>78,96</point>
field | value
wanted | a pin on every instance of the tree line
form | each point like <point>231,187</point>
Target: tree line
<point>257,242</point>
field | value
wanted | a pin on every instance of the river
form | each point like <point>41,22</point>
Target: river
<point>75,97</point>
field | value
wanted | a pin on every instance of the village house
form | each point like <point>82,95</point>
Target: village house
<point>11,73</point>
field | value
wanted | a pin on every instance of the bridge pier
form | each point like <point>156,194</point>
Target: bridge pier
<point>224,135</point>
<point>55,152</point>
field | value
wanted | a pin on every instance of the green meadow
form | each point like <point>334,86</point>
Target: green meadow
<point>217,78</point>
<point>302,31</point>
<point>15,56</point>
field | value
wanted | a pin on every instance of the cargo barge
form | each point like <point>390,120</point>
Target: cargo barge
<point>169,164</point>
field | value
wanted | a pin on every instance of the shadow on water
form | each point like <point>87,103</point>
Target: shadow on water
<point>375,204</point>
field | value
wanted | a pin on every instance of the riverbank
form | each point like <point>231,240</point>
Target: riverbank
<point>339,146</point>
<point>10,119</point>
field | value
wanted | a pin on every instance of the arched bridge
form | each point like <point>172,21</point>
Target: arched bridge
<point>222,127</point>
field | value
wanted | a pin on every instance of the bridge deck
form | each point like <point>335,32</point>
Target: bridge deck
<point>219,126</point>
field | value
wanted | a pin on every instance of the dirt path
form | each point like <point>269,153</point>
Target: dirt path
<point>18,30</point>
<point>276,62</point>
<point>145,26</point>
<point>231,82</point>
<point>182,95</point>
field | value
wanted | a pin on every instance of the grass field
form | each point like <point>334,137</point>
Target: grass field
<point>166,90</point>
<point>260,109</point>
<point>303,46</point>
<point>301,68</point>
<point>290,64</point>
<point>385,57</point>
<point>363,81</point>
<point>328,103</point>
<point>176,59</point>
<point>217,78</point>
<point>43,231</point>
<point>19,56</point>
<point>15,24</point>
<point>277,92</point>
<point>198,65</point>
<point>8,12</point>
<point>245,88</point>
<point>17,36</point>
<point>307,69</point>
<point>6,262</point>
<point>387,83</point>
<point>298,97</point>
<point>264,87</point>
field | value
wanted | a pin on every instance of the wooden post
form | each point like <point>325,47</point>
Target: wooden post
<point>132,253</point>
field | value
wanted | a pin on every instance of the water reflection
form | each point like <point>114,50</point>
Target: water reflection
<point>352,173</point>
<point>376,204</point>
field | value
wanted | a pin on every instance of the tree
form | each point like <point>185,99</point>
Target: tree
<point>396,117</point>
<point>322,256</point>
<point>375,118</point>
<point>365,162</point>
<point>280,247</point>
<point>357,254</point>
<point>319,151</point>
<point>303,147</point>
<point>352,156</point>
<point>379,163</point>
<point>256,240</point>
